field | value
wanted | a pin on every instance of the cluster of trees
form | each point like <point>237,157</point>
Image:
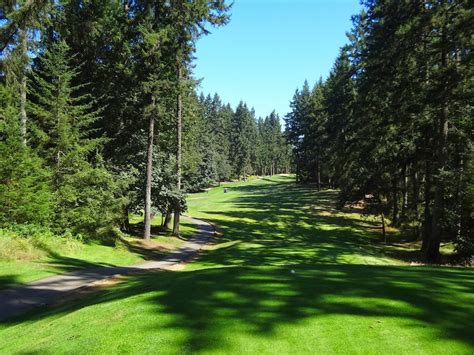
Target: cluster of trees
<point>92,104</point>
<point>99,115</point>
<point>392,124</point>
<point>236,144</point>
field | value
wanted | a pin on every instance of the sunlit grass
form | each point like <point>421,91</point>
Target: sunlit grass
<point>62,256</point>
<point>288,274</point>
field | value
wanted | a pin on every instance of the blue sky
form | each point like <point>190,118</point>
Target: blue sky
<point>270,47</point>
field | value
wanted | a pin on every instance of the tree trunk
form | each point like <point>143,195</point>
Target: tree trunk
<point>384,234</point>
<point>126,221</point>
<point>149,168</point>
<point>395,210</point>
<point>319,174</point>
<point>23,86</point>
<point>460,199</point>
<point>416,201</point>
<point>427,213</point>
<point>167,221</point>
<point>179,114</point>
<point>297,168</point>
<point>404,194</point>
<point>176,218</point>
<point>432,251</point>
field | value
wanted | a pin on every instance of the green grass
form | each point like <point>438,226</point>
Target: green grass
<point>35,261</point>
<point>348,293</point>
<point>186,230</point>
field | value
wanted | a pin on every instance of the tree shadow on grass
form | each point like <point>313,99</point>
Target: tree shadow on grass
<point>65,263</point>
<point>283,215</point>
<point>54,264</point>
<point>145,253</point>
<point>8,281</point>
<point>259,300</point>
<point>249,289</point>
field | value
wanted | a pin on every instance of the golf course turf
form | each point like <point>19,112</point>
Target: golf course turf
<point>288,274</point>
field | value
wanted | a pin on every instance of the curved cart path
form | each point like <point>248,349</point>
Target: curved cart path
<point>19,299</point>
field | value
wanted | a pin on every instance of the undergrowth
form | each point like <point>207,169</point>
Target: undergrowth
<point>32,242</point>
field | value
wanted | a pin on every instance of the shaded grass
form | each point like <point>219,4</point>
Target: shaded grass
<point>280,222</point>
<point>40,260</point>
<point>325,308</point>
<point>160,235</point>
<point>289,275</point>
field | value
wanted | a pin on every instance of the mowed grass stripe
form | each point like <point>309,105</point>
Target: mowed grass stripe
<point>288,275</point>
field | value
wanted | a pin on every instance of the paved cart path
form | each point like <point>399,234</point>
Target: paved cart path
<point>19,299</point>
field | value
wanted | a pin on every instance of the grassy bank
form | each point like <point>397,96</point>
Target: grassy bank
<point>25,258</point>
<point>289,274</point>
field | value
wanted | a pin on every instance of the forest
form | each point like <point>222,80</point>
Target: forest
<point>102,117</point>
<point>141,212</point>
<point>392,125</point>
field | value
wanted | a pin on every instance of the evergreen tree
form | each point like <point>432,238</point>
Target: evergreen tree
<point>392,120</point>
<point>87,197</point>
<point>339,97</point>
<point>242,141</point>
<point>21,21</point>
<point>25,192</point>
<point>189,21</point>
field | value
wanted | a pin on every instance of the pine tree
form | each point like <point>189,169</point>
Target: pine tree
<point>299,133</point>
<point>21,21</point>
<point>339,97</point>
<point>189,20</point>
<point>242,141</point>
<point>25,192</point>
<point>87,196</point>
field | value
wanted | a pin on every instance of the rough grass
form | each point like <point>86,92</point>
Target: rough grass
<point>288,275</point>
<point>27,258</point>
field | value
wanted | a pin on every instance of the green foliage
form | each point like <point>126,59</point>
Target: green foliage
<point>242,141</point>
<point>25,192</point>
<point>87,196</point>
<point>217,119</point>
<point>271,149</point>
<point>90,200</point>
<point>301,131</point>
<point>220,144</point>
<point>393,122</point>
<point>94,86</point>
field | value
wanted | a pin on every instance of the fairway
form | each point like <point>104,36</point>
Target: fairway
<point>287,273</point>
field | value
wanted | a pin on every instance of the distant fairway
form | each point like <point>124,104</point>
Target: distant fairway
<point>288,275</point>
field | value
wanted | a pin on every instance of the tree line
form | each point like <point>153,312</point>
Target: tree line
<point>100,116</point>
<point>392,124</point>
